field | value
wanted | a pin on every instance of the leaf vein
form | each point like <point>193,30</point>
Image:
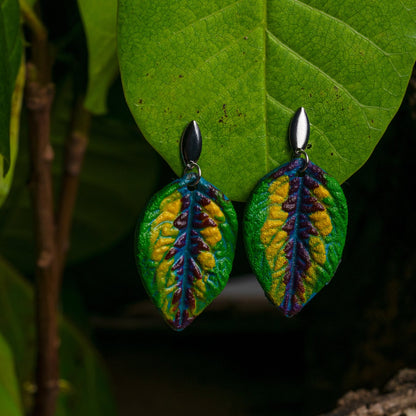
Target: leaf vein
<point>277,41</point>
<point>320,11</point>
<point>322,134</point>
<point>362,106</point>
<point>361,35</point>
<point>230,86</point>
<point>201,19</point>
<point>215,55</point>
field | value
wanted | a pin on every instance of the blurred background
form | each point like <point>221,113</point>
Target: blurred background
<point>241,356</point>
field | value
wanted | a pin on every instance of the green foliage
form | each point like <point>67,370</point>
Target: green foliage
<point>11,49</point>
<point>16,103</point>
<point>87,389</point>
<point>10,404</point>
<point>241,69</point>
<point>100,18</point>
<point>112,187</point>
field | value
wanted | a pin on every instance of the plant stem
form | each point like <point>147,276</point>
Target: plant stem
<point>75,147</point>
<point>39,98</point>
<point>52,237</point>
<point>40,47</point>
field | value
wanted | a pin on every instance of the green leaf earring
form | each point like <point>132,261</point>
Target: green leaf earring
<point>295,226</point>
<point>185,242</point>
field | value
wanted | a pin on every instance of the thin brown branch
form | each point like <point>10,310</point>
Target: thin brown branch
<point>40,47</point>
<point>75,147</point>
<point>39,97</point>
<point>52,238</point>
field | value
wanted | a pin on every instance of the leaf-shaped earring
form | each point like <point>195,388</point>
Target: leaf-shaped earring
<point>185,241</point>
<point>295,226</point>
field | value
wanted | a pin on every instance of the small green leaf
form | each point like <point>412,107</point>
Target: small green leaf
<point>242,68</point>
<point>10,403</point>
<point>6,180</point>
<point>11,50</point>
<point>29,3</point>
<point>86,388</point>
<point>118,176</point>
<point>100,19</point>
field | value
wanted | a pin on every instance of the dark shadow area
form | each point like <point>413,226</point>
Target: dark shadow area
<point>241,357</point>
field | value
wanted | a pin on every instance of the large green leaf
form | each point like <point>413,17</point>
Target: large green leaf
<point>241,68</point>
<point>118,176</point>
<point>100,18</point>
<point>10,56</point>
<point>88,389</point>
<point>10,402</point>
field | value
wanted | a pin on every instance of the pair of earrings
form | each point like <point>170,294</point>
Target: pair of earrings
<point>294,230</point>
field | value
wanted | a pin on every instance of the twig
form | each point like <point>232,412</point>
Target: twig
<point>75,147</point>
<point>40,49</point>
<point>52,237</point>
<point>39,98</point>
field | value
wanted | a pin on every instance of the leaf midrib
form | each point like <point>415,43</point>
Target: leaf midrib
<point>267,140</point>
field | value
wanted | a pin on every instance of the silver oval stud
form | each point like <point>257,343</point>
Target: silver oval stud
<point>299,130</point>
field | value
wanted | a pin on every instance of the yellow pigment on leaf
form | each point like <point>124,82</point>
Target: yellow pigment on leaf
<point>278,288</point>
<point>214,211</point>
<point>309,279</point>
<point>199,288</point>
<point>317,249</point>
<point>161,246</point>
<point>322,222</point>
<point>163,224</point>
<point>271,234</point>
<point>274,238</point>
<point>274,248</point>
<point>163,274</point>
<point>211,235</point>
<point>170,208</point>
<point>276,213</point>
<point>279,190</point>
<point>321,193</point>
<point>206,260</point>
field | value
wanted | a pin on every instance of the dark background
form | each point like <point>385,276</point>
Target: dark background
<point>241,356</point>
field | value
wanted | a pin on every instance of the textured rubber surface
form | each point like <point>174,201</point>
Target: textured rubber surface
<point>294,229</point>
<point>185,247</point>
